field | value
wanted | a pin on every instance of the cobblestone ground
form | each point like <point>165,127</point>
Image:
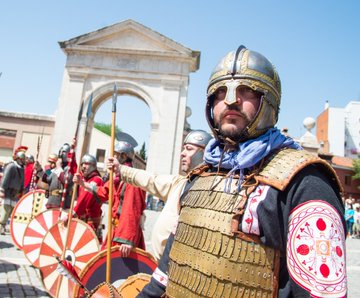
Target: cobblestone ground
<point>19,279</point>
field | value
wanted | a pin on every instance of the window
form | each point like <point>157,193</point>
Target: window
<point>348,180</point>
<point>100,155</point>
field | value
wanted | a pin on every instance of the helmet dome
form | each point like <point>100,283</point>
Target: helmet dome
<point>198,137</point>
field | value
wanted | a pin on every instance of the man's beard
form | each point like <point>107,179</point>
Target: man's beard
<point>233,134</point>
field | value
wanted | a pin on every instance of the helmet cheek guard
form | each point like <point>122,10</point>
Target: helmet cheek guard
<point>246,68</point>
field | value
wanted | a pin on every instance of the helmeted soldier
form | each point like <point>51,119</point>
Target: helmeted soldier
<point>128,201</point>
<point>59,179</point>
<point>88,205</point>
<point>263,217</point>
<point>167,188</point>
<point>64,154</point>
<point>12,185</point>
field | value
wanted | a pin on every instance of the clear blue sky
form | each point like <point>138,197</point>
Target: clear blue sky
<point>315,46</point>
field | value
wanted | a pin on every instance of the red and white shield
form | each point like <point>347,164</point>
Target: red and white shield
<point>30,205</point>
<point>316,249</point>
<point>82,245</point>
<point>35,232</point>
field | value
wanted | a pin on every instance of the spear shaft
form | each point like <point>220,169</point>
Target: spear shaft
<point>111,187</point>
<point>72,156</point>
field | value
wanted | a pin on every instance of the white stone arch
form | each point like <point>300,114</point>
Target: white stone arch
<point>144,64</point>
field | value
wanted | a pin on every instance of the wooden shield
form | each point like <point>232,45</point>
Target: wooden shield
<point>30,205</point>
<point>94,273</point>
<point>82,245</point>
<point>35,232</point>
<point>133,285</point>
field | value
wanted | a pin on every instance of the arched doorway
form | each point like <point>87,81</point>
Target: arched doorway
<point>144,64</point>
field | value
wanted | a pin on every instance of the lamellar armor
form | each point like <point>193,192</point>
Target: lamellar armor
<point>211,256</point>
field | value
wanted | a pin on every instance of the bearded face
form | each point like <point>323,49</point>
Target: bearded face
<point>232,119</point>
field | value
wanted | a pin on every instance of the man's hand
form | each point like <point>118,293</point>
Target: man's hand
<point>112,163</point>
<point>125,250</point>
<point>73,143</point>
<point>78,179</point>
<point>64,218</point>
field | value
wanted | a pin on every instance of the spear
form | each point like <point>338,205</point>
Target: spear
<point>72,151</point>
<point>72,155</point>
<point>33,176</point>
<point>111,185</point>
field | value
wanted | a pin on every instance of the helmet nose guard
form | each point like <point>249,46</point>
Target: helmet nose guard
<point>244,67</point>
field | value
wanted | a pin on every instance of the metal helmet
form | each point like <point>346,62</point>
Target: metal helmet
<point>125,143</point>
<point>64,149</point>
<point>20,158</point>
<point>30,158</point>
<point>90,159</point>
<point>19,155</point>
<point>199,138</point>
<point>63,153</point>
<point>124,147</point>
<point>245,67</point>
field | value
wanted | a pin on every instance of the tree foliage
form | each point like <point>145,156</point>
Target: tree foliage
<point>142,152</point>
<point>105,128</point>
<point>356,164</point>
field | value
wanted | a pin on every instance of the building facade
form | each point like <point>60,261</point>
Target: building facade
<point>338,130</point>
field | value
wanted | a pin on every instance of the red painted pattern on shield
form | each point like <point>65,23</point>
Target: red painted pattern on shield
<point>315,249</point>
<point>325,271</point>
<point>321,225</point>
<point>303,249</point>
<point>339,251</point>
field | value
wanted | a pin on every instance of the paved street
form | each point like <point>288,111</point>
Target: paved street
<point>19,279</point>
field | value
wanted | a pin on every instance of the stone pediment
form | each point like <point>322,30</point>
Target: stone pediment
<point>127,36</point>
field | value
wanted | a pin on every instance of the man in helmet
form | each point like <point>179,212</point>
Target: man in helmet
<point>167,188</point>
<point>12,186</point>
<point>64,154</point>
<point>128,203</point>
<point>59,179</point>
<point>263,217</point>
<point>88,205</point>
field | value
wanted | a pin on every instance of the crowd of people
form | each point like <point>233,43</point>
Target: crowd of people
<point>252,213</point>
<point>352,218</point>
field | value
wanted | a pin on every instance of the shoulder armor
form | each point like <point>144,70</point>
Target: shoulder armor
<point>283,165</point>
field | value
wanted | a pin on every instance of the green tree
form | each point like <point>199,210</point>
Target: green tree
<point>105,128</point>
<point>356,164</point>
<point>142,152</point>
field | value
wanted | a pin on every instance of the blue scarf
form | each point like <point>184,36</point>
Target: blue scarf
<point>249,154</point>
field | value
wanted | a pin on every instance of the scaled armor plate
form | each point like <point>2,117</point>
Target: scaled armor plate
<point>207,259</point>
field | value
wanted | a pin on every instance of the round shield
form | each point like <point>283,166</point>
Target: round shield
<point>35,232</point>
<point>30,205</point>
<point>105,290</point>
<point>94,273</point>
<point>133,285</point>
<point>82,245</point>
